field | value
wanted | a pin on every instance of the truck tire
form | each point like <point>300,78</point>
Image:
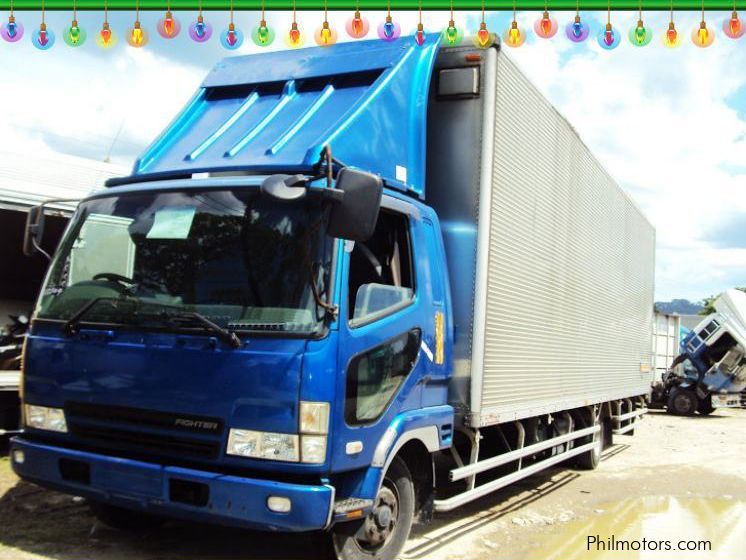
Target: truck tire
<point>383,534</point>
<point>590,459</point>
<point>682,402</point>
<point>705,406</point>
<point>125,519</point>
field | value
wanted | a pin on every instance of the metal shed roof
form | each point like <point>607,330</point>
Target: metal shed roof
<point>27,179</point>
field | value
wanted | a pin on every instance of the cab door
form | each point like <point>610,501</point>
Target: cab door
<point>384,319</point>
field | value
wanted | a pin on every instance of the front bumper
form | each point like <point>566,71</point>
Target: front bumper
<point>174,491</point>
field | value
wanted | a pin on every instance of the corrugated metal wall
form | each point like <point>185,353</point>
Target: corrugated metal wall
<point>570,286</point>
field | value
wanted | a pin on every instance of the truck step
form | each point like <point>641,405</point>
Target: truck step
<point>343,507</point>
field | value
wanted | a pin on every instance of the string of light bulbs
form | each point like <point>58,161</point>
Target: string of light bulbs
<point>357,27</point>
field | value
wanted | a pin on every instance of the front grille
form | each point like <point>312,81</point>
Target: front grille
<point>133,431</point>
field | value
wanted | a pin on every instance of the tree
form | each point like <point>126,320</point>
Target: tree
<point>708,303</point>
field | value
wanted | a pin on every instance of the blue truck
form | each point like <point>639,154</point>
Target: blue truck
<point>346,289</point>
<point>710,371</point>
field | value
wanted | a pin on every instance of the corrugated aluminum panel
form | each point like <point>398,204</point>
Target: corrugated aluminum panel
<point>568,293</point>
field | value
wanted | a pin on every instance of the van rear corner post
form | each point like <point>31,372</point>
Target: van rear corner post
<point>419,326</point>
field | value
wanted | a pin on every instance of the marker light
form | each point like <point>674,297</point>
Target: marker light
<point>671,38</point>
<point>546,26</point>
<point>609,38</point>
<point>200,31</point>
<point>483,38</point>
<point>168,26</point>
<point>262,34</point>
<point>733,27</point>
<point>43,38</point>
<point>640,35</point>
<point>232,37</point>
<point>514,36</point>
<point>577,31</point>
<point>703,36</point>
<point>137,37</point>
<point>294,38</point>
<point>12,30</point>
<point>389,30</point>
<point>325,36</point>
<point>357,26</point>
<point>74,36</point>
<point>106,38</point>
<point>419,35</point>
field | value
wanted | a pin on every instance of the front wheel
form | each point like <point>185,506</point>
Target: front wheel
<point>682,402</point>
<point>383,533</point>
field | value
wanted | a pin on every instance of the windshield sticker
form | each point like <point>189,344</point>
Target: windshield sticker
<point>172,223</point>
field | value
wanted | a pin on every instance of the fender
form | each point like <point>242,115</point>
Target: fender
<point>433,426</point>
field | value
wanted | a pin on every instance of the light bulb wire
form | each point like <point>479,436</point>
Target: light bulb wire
<point>294,12</point>
<point>262,10</point>
<point>231,12</point>
<point>451,10</point>
<point>577,8</point>
<point>419,9</point>
<point>75,10</point>
<point>483,12</point>
<point>608,13</point>
<point>514,11</point>
<point>388,8</point>
<point>199,13</point>
<point>106,11</point>
<point>703,11</point>
<point>137,11</point>
<point>640,10</point>
<point>42,12</point>
<point>326,13</point>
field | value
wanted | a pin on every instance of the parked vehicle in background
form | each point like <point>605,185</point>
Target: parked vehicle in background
<point>11,347</point>
<point>345,289</point>
<point>710,371</point>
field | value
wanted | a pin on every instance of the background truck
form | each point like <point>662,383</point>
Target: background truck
<point>346,288</point>
<point>710,371</point>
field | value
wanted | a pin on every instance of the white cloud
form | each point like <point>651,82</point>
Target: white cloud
<point>658,119</point>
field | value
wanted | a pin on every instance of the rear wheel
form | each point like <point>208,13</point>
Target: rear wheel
<point>383,533</point>
<point>590,459</point>
<point>682,402</point>
<point>125,519</point>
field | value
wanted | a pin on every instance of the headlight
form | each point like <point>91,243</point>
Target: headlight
<point>45,418</point>
<point>314,418</point>
<point>263,445</point>
<point>313,449</point>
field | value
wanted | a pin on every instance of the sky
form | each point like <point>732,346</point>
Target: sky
<point>668,124</point>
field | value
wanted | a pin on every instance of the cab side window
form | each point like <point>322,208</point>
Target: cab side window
<point>381,276</point>
<point>373,378</point>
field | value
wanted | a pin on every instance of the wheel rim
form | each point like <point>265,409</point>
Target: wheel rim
<point>380,524</point>
<point>682,403</point>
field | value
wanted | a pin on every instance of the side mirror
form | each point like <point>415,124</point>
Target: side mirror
<point>354,217</point>
<point>34,231</point>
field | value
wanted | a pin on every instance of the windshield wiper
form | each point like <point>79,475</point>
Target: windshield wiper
<point>70,327</point>
<point>227,336</point>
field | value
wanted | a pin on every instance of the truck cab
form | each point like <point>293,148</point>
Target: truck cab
<point>220,337</point>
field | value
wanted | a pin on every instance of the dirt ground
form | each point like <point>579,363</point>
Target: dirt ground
<point>677,476</point>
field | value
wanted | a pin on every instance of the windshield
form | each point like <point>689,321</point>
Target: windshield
<point>242,260</point>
